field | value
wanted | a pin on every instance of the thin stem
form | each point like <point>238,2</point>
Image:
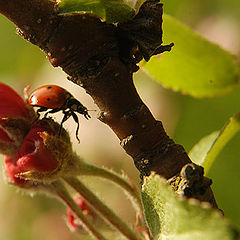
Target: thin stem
<point>62,193</point>
<point>93,170</point>
<point>107,213</point>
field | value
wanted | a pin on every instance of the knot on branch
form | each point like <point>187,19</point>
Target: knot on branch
<point>141,37</point>
<point>191,181</point>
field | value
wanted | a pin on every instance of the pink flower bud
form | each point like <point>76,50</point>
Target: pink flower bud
<point>32,156</point>
<point>15,120</point>
<point>36,153</point>
<point>11,104</point>
<point>71,219</point>
<point>4,136</point>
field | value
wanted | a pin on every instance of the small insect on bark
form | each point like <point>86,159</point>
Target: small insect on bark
<point>52,99</point>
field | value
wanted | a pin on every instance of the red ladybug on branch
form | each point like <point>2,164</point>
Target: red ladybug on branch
<point>52,99</point>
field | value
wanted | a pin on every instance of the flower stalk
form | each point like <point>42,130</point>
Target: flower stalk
<point>99,206</point>
<point>85,168</point>
<point>120,181</point>
<point>62,193</point>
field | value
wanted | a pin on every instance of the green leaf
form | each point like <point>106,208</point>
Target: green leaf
<point>194,66</point>
<point>170,217</point>
<point>207,149</point>
<point>199,152</point>
<point>109,10</point>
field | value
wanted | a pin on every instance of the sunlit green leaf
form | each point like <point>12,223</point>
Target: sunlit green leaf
<point>195,66</point>
<point>207,149</point>
<point>172,218</point>
<point>200,150</point>
<point>109,10</point>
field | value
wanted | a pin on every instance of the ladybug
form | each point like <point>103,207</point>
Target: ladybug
<point>52,99</point>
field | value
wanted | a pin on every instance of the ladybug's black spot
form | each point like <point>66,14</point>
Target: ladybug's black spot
<point>48,99</point>
<point>32,96</point>
<point>48,88</point>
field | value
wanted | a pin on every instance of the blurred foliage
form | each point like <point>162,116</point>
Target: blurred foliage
<point>201,117</point>
<point>205,152</point>
<point>191,12</point>
<point>187,120</point>
<point>18,57</point>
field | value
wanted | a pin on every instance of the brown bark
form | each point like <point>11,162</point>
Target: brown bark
<point>88,50</point>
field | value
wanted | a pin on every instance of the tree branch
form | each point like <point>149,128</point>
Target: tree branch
<point>89,51</point>
<point>36,19</point>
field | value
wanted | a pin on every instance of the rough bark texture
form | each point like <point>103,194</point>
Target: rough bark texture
<point>89,51</point>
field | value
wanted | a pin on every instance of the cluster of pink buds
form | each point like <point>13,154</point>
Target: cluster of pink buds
<point>32,148</point>
<point>37,157</point>
<point>74,222</point>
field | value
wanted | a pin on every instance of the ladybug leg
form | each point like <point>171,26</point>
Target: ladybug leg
<point>54,110</point>
<point>46,113</point>
<point>75,117</point>
<point>41,109</point>
<point>67,114</point>
<point>86,115</point>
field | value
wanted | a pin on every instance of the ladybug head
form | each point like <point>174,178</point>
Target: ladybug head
<point>83,110</point>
